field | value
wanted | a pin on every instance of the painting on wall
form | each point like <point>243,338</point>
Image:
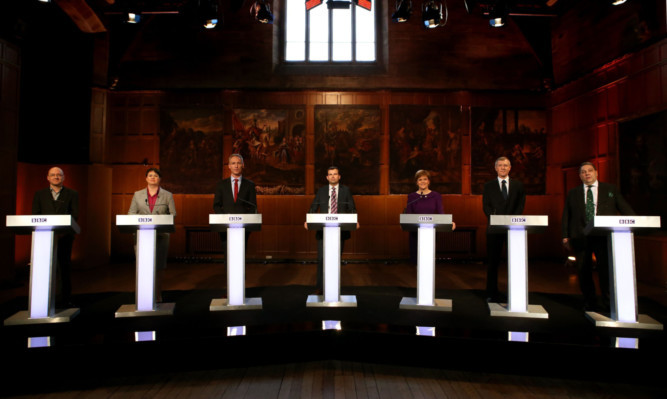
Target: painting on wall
<point>191,149</point>
<point>349,138</point>
<point>643,164</point>
<point>425,137</point>
<point>272,143</point>
<point>520,135</point>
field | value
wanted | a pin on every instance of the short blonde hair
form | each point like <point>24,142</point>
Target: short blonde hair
<point>422,172</point>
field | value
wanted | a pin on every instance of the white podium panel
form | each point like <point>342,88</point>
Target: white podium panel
<point>146,227</point>
<point>426,227</point>
<point>235,225</point>
<point>623,285</point>
<point>517,228</point>
<point>331,226</point>
<point>41,306</point>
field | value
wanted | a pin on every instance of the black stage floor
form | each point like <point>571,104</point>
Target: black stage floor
<point>96,344</point>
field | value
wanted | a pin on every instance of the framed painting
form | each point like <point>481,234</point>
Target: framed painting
<point>191,149</point>
<point>349,137</point>
<point>272,142</point>
<point>425,137</point>
<point>519,135</point>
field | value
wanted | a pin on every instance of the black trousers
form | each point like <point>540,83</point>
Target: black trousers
<point>495,243</point>
<point>583,249</point>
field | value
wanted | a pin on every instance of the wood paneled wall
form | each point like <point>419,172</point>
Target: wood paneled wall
<point>134,145</point>
<point>584,127</point>
<point>10,77</point>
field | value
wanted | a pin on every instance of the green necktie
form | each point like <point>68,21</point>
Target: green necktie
<point>590,205</point>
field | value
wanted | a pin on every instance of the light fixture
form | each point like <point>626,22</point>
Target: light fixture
<point>208,14</point>
<point>403,11</point>
<point>432,13</point>
<point>617,2</point>
<point>262,12</point>
<point>498,14</point>
<point>132,17</point>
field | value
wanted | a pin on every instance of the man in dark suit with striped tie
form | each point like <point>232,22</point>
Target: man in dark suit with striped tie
<point>501,196</point>
<point>332,198</point>
<point>581,205</point>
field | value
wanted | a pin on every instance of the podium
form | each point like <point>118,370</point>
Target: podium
<point>623,286</point>
<point>146,227</point>
<point>517,228</point>
<point>235,225</point>
<point>43,257</point>
<point>426,227</point>
<point>331,225</point>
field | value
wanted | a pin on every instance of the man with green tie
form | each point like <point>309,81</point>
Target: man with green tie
<point>582,204</point>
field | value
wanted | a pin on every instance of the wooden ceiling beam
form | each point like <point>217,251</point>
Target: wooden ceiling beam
<point>82,15</point>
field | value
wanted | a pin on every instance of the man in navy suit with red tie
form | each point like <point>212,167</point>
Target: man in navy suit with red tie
<point>501,196</point>
<point>235,194</point>
<point>582,204</point>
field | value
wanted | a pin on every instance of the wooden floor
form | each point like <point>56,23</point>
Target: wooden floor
<point>334,378</point>
<point>345,380</point>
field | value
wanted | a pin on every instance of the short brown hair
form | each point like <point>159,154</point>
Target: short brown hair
<point>587,163</point>
<point>156,170</point>
<point>422,172</point>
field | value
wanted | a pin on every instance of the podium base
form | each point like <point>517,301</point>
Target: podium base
<point>533,311</point>
<point>23,317</point>
<point>442,305</point>
<point>161,309</point>
<point>345,301</point>
<point>643,322</point>
<point>222,304</point>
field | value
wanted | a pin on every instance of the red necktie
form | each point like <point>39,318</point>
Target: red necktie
<point>334,201</point>
<point>236,189</point>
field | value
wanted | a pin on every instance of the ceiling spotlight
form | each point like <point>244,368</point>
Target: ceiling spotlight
<point>132,17</point>
<point>403,11</point>
<point>262,12</point>
<point>498,14</point>
<point>432,13</point>
<point>208,14</point>
<point>617,2</point>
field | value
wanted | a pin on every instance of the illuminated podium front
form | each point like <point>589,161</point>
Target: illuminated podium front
<point>43,256</point>
<point>517,228</point>
<point>623,285</point>
<point>146,227</point>
<point>331,226</point>
<point>426,227</point>
<point>235,225</point>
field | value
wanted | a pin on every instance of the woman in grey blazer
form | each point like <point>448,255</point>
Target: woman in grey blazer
<point>154,200</point>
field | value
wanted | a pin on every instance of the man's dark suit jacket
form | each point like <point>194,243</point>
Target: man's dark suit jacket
<point>345,205</point>
<point>67,203</point>
<point>610,203</point>
<point>494,203</point>
<point>223,201</point>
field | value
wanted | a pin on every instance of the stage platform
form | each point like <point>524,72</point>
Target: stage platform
<point>96,344</point>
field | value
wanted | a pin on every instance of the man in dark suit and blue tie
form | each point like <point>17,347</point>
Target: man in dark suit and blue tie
<point>501,196</point>
<point>235,194</point>
<point>332,198</point>
<point>581,205</point>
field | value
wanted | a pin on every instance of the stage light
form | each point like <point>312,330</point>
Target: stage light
<point>331,325</point>
<point>39,342</point>
<point>236,331</point>
<point>132,18</point>
<point>208,14</point>
<point>432,13</point>
<point>144,336</point>
<point>262,12</point>
<point>403,11</point>
<point>626,343</point>
<point>617,2</point>
<point>44,1</point>
<point>425,331</point>
<point>498,14</point>
<point>517,336</point>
